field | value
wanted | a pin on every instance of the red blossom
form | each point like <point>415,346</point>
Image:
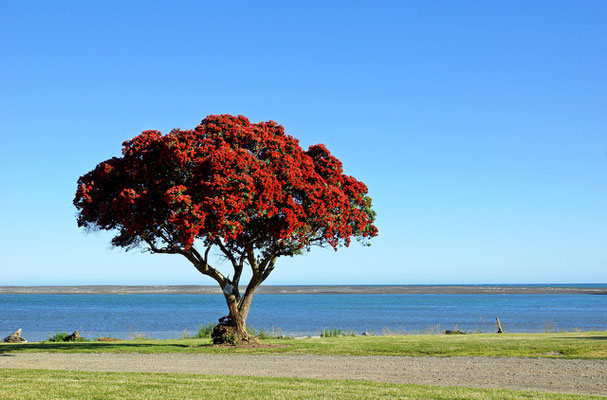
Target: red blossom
<point>250,184</point>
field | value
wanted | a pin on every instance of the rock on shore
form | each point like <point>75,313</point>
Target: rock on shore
<point>15,337</point>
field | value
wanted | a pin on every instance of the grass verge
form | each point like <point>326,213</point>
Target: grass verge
<point>552,345</point>
<point>42,384</point>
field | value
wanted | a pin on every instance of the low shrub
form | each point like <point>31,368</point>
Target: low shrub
<point>335,333</point>
<point>231,338</point>
<point>64,337</point>
<point>58,337</point>
<point>204,331</point>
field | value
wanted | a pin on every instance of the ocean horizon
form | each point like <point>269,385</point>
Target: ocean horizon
<point>451,288</point>
<point>302,310</point>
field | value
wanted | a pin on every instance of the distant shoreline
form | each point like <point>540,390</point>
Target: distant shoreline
<point>305,289</point>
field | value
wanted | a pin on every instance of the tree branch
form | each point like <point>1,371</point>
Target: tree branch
<point>268,269</point>
<point>192,255</point>
<point>206,254</point>
<point>251,258</point>
<point>227,253</point>
<point>197,255</point>
<point>245,301</point>
<point>165,238</point>
<point>155,249</point>
<point>238,271</point>
<point>206,269</point>
<point>236,280</point>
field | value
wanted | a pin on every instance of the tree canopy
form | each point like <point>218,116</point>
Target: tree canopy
<point>247,188</point>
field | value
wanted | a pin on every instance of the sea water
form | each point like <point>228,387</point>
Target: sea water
<point>173,315</point>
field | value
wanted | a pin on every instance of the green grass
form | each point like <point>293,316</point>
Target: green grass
<point>41,384</point>
<point>552,345</point>
<point>326,333</point>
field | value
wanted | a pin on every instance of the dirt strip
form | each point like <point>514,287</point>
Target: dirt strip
<point>545,375</point>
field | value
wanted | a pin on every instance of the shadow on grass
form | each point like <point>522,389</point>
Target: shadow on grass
<point>581,337</point>
<point>92,346</point>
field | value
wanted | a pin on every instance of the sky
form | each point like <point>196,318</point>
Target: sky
<point>479,127</point>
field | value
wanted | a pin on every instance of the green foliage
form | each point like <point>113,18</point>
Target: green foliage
<point>261,334</point>
<point>64,337</point>
<point>204,331</point>
<point>326,333</point>
<point>231,338</point>
<point>58,337</point>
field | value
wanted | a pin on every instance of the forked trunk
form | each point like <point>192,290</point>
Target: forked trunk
<point>239,309</point>
<point>234,329</point>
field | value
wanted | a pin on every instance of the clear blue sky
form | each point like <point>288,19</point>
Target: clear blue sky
<point>479,127</point>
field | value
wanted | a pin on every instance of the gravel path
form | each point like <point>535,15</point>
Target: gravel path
<point>546,375</point>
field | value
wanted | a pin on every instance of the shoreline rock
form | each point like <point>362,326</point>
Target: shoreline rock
<point>15,337</point>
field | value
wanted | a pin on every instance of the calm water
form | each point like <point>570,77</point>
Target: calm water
<point>167,316</point>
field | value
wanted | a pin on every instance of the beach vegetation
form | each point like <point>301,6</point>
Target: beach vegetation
<point>273,333</point>
<point>244,192</point>
<point>325,333</point>
<point>58,337</point>
<point>134,335</point>
<point>550,345</point>
<point>204,331</point>
<point>65,337</point>
<point>549,327</point>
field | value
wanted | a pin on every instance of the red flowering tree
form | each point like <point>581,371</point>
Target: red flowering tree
<point>248,190</point>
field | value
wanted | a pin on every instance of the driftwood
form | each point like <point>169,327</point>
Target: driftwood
<point>73,337</point>
<point>499,325</point>
<point>15,337</point>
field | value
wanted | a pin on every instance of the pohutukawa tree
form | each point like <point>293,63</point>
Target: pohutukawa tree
<point>247,190</point>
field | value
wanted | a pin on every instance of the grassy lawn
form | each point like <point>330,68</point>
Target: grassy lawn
<point>41,384</point>
<point>553,345</point>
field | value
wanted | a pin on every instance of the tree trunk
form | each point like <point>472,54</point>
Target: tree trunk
<point>239,309</point>
<point>235,327</point>
<point>245,302</point>
<point>237,319</point>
